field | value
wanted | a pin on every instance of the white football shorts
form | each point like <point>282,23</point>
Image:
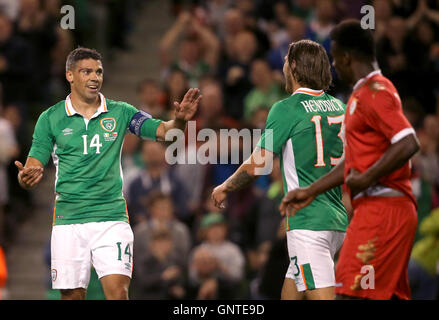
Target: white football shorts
<point>312,257</point>
<point>75,248</point>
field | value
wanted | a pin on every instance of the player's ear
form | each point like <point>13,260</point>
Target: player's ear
<point>347,58</point>
<point>69,76</point>
<point>292,68</point>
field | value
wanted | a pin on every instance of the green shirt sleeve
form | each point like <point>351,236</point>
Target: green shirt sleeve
<point>42,140</point>
<point>141,123</point>
<point>277,129</point>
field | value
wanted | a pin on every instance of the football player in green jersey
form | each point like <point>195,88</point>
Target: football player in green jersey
<point>84,134</point>
<point>305,129</point>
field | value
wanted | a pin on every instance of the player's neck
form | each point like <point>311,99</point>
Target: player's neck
<point>360,70</point>
<point>86,108</point>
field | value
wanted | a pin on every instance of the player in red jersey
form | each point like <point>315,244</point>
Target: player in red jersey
<point>379,141</point>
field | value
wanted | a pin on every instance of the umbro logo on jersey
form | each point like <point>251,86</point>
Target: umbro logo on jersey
<point>67,131</point>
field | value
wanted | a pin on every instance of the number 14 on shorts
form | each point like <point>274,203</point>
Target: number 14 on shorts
<point>126,251</point>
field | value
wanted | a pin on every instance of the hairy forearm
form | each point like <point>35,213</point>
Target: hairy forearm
<point>331,180</point>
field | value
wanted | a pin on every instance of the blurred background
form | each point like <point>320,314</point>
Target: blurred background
<point>153,51</point>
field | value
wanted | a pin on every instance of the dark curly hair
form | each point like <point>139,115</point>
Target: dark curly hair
<point>351,37</point>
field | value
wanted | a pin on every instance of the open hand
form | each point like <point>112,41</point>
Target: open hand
<point>357,181</point>
<point>186,109</point>
<point>295,200</point>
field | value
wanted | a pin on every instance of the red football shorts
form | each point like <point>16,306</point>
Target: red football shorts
<point>375,254</point>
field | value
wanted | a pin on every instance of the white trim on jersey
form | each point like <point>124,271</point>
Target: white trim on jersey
<point>308,91</point>
<point>289,165</point>
<point>56,164</point>
<point>402,134</point>
<point>362,80</point>
<point>71,111</point>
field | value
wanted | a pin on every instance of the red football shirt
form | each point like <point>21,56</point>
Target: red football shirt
<point>374,120</point>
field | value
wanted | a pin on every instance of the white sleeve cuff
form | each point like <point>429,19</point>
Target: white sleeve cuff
<point>402,134</point>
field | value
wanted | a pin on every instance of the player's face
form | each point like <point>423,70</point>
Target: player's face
<point>86,78</point>
<point>340,63</point>
<point>288,76</point>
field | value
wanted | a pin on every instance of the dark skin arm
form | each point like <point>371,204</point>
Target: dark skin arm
<point>394,158</point>
<point>301,197</point>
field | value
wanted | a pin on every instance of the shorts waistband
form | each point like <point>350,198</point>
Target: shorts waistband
<point>379,191</point>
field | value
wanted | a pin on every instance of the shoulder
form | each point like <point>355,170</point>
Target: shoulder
<point>336,100</point>
<point>58,109</point>
<point>180,227</point>
<point>113,104</point>
<point>283,105</point>
<point>232,246</point>
<point>378,86</point>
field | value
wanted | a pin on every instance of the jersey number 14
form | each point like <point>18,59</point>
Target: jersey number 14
<point>94,143</point>
<point>319,138</point>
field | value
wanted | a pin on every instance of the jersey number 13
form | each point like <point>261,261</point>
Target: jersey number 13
<point>319,139</point>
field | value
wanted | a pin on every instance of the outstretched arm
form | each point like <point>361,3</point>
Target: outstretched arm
<point>260,162</point>
<point>30,174</point>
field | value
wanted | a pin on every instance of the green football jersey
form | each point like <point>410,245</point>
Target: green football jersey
<point>306,131</point>
<point>87,157</point>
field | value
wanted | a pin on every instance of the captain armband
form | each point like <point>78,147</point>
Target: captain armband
<point>137,121</point>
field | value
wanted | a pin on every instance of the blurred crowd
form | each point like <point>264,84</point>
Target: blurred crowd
<point>233,50</point>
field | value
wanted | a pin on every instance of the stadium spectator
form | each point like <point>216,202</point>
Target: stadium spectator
<point>8,150</point>
<point>263,221</point>
<point>157,175</point>
<point>235,73</point>
<point>38,28</point>
<point>323,22</point>
<point>266,90</point>
<point>383,13</point>
<point>296,30</point>
<point>426,169</point>
<point>197,52</point>
<point>159,271</point>
<point>161,211</point>
<point>16,65</point>
<point>232,25</point>
<point>391,53</point>
<point>151,98</point>
<point>211,113</point>
<point>216,266</point>
<point>269,281</point>
<point>424,260</point>
<point>175,86</point>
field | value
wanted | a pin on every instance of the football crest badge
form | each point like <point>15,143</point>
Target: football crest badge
<point>108,124</point>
